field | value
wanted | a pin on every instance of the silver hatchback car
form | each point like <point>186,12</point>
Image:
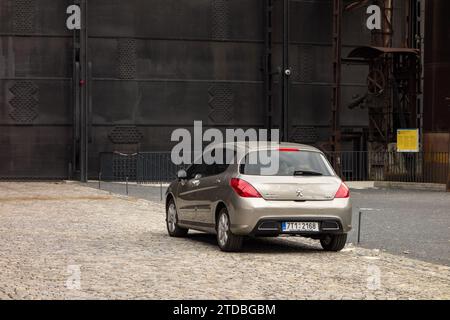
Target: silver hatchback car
<point>303,197</point>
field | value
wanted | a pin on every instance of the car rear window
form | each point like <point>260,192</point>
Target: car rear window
<point>290,163</point>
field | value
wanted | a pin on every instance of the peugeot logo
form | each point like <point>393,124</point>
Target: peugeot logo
<point>300,193</point>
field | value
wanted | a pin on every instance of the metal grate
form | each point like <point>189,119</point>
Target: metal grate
<point>126,58</point>
<point>141,167</point>
<point>125,135</point>
<point>24,102</point>
<point>24,13</point>
<point>124,167</point>
<point>220,19</point>
<point>304,135</point>
<point>305,71</point>
<point>221,102</point>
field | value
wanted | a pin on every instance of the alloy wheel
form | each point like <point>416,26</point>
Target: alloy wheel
<point>223,229</point>
<point>172,217</point>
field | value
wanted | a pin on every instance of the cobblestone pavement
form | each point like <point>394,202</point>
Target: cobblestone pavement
<point>405,222</point>
<point>54,234</point>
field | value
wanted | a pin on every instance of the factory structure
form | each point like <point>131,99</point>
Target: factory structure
<point>135,70</point>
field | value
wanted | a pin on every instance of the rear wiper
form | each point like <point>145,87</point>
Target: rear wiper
<point>307,173</point>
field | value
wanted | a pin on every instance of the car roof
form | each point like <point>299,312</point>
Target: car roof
<point>262,145</point>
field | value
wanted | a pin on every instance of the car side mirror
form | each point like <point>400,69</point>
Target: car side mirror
<point>182,175</point>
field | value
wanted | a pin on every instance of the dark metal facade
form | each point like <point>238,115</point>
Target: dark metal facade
<point>437,67</point>
<point>141,68</point>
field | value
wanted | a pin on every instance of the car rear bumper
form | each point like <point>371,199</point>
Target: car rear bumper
<point>273,226</point>
<point>257,216</point>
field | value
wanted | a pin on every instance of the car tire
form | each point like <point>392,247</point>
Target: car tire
<point>334,242</point>
<point>172,221</point>
<point>226,240</point>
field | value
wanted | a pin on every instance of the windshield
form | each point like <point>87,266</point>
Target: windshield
<point>293,163</point>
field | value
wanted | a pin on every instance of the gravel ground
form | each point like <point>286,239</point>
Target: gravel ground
<point>66,241</point>
<point>406,222</point>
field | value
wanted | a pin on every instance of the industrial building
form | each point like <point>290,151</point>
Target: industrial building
<point>138,69</point>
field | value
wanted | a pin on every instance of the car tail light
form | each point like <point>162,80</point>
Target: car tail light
<point>343,191</point>
<point>288,150</point>
<point>244,189</point>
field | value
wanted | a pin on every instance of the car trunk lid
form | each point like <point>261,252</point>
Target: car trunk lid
<point>295,188</point>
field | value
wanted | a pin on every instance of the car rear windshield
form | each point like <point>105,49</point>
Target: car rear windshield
<point>291,163</point>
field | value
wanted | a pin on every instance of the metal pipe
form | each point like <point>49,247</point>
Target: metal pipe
<point>387,23</point>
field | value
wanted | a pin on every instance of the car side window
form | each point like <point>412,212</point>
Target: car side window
<point>226,161</point>
<point>222,166</point>
<point>196,169</point>
<point>207,170</point>
<point>210,169</point>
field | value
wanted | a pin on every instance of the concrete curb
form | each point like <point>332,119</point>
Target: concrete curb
<point>360,184</point>
<point>397,185</point>
<point>411,186</point>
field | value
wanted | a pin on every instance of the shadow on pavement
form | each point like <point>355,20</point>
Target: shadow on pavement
<point>258,245</point>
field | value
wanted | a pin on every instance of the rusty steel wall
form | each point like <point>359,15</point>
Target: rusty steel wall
<point>158,65</point>
<point>437,66</point>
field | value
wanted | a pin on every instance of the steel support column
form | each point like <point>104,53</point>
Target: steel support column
<point>285,74</point>
<point>268,72</point>
<point>84,99</point>
<point>74,165</point>
<point>336,99</point>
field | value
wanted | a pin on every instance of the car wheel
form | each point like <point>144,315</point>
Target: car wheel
<point>172,221</point>
<point>334,242</point>
<point>227,241</point>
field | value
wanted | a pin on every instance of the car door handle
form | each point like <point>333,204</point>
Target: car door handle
<point>195,183</point>
<point>218,181</point>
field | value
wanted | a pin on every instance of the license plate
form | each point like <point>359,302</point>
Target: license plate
<point>300,226</point>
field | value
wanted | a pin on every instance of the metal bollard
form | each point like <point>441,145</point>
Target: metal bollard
<point>127,184</point>
<point>359,227</point>
<point>99,179</point>
<point>161,190</point>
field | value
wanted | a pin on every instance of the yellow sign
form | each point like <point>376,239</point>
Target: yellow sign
<point>408,140</point>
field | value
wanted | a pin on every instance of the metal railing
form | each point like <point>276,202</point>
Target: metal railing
<point>155,167</point>
<point>143,167</point>
<point>421,167</point>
